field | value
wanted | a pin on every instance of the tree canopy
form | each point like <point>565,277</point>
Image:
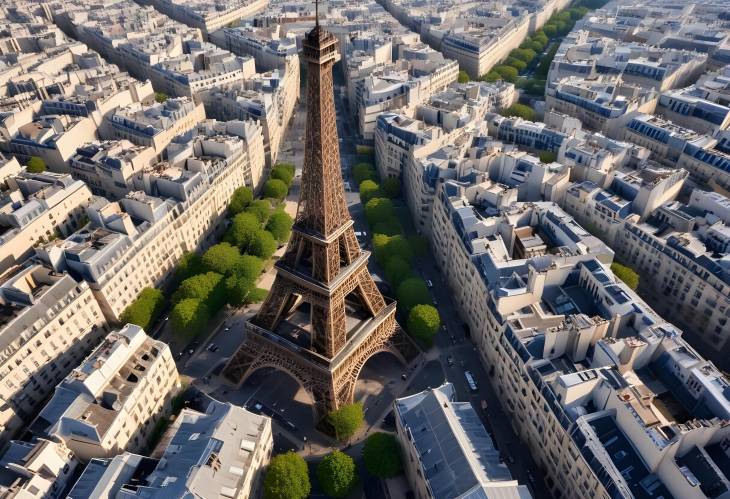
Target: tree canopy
<point>35,164</point>
<point>280,224</point>
<point>221,258</point>
<point>412,292</point>
<point>189,317</point>
<point>238,290</point>
<point>378,209</point>
<point>283,172</point>
<point>261,208</point>
<point>362,172</point>
<point>145,309</point>
<point>248,267</point>
<point>346,420</point>
<point>199,286</point>
<point>390,227</point>
<point>391,187</point>
<point>287,477</point>
<point>382,456</point>
<point>275,189</point>
<point>507,73</point>
<point>520,111</point>
<point>263,244</point>
<point>189,265</point>
<point>369,190</point>
<point>423,323</point>
<point>626,274</point>
<point>397,269</point>
<point>244,228</point>
<point>240,199</point>
<point>336,474</point>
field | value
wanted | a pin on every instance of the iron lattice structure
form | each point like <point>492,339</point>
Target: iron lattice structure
<point>324,268</point>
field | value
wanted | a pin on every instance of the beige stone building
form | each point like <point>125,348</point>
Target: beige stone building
<point>48,323</point>
<point>154,125</point>
<point>213,449</point>
<point>137,241</point>
<point>113,399</point>
<point>38,208</point>
<point>40,469</point>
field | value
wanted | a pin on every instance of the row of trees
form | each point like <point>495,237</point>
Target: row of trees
<point>395,253</point>
<point>522,58</point>
<point>287,476</point>
<point>227,272</point>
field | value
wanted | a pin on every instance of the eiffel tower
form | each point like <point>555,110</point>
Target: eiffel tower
<point>324,317</point>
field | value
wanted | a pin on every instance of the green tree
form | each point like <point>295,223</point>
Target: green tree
<point>508,73</point>
<point>399,245</point>
<point>369,190</point>
<point>397,269</point>
<point>548,157</point>
<point>526,55</point>
<point>550,30</point>
<point>161,97</point>
<point>382,456</point>
<point>257,295</point>
<point>378,209</point>
<point>263,245</point>
<point>412,292</point>
<point>240,199</point>
<point>189,317</point>
<point>336,474</point>
<point>346,420</point>
<point>391,187</point>
<point>463,76</point>
<point>35,164</point>
<point>418,245</point>
<point>492,76</point>
<point>518,64</point>
<point>221,258</point>
<point>237,290</point>
<point>261,208</point>
<point>362,172</point>
<point>199,286</point>
<point>244,227</point>
<point>281,172</point>
<point>248,267</point>
<point>280,224</point>
<point>521,111</point>
<point>287,477</point>
<point>190,264</point>
<point>423,323</point>
<point>145,309</point>
<point>275,189</point>
<point>626,274</point>
<point>390,227</point>
<point>380,243</point>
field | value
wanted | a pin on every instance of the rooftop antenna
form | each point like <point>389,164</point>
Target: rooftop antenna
<point>316,12</point>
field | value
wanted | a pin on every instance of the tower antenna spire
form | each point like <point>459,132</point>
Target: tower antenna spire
<point>316,12</point>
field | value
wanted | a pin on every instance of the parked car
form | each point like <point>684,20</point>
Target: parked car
<point>429,283</point>
<point>470,381</point>
<point>450,361</point>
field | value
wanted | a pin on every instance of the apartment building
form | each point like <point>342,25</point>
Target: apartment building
<point>447,452</point>
<point>270,98</point>
<point>37,208</point>
<point>154,125</point>
<point>666,140</point>
<point>213,449</point>
<point>688,108</point>
<point>135,242</point>
<point>36,469</point>
<point>209,16</point>
<point>113,399</point>
<point>609,399</point>
<point>477,36</point>
<point>53,138</point>
<point>269,46</point>
<point>48,323</point>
